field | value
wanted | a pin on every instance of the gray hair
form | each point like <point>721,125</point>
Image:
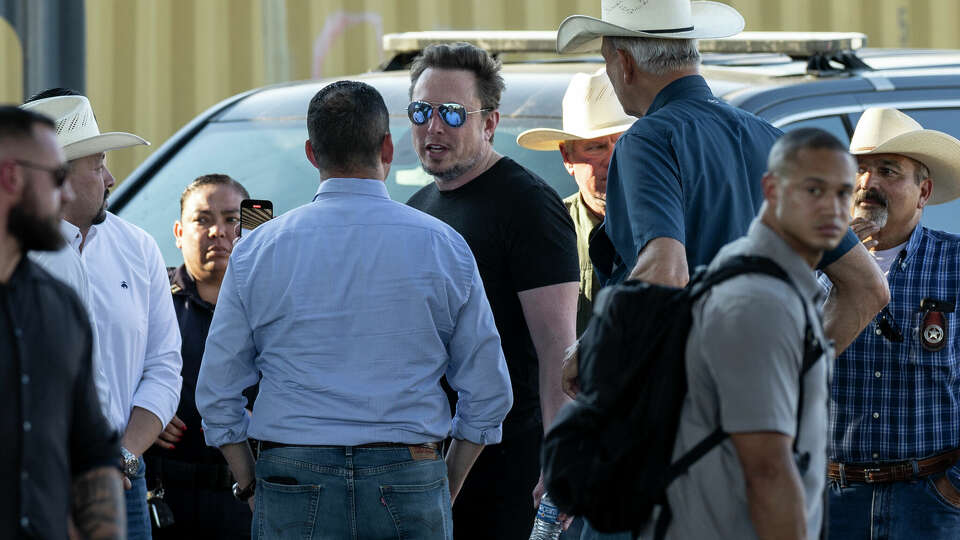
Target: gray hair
<point>659,56</point>
<point>920,172</point>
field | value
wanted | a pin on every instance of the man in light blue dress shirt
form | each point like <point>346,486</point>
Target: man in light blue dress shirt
<point>352,308</point>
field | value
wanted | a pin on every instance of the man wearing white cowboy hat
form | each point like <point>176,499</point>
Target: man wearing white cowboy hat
<point>592,122</point>
<point>139,340</point>
<point>894,430</point>
<point>684,180</point>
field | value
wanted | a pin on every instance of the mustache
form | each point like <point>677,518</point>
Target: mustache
<point>870,195</point>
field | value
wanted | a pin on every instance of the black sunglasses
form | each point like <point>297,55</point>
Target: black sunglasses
<point>59,174</point>
<point>453,114</point>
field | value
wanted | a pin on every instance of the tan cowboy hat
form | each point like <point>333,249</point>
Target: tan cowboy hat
<point>665,19</point>
<point>889,131</point>
<point>77,130</point>
<point>590,110</point>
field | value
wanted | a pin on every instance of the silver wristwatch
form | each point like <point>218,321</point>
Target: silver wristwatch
<point>129,463</point>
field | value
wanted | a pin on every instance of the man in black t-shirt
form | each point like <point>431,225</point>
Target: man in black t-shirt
<point>526,249</point>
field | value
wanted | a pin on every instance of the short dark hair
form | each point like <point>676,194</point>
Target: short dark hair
<point>215,179</point>
<point>784,151</point>
<point>53,92</point>
<point>485,68</point>
<point>18,123</point>
<point>347,122</point>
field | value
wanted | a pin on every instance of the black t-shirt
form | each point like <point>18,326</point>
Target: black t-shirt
<point>522,238</point>
<point>53,428</point>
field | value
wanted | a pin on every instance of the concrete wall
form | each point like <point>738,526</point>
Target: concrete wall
<point>154,64</point>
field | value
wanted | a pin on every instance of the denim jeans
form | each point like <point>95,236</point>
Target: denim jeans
<point>138,518</point>
<point>895,511</point>
<point>350,493</point>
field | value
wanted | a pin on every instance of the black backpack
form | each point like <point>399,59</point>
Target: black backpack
<point>608,454</point>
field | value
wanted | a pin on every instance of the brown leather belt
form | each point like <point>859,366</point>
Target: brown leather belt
<point>268,445</point>
<point>891,472</point>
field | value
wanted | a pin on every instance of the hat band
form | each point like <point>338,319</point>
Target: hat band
<point>667,31</point>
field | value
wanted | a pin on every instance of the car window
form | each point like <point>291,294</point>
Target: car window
<point>832,124</point>
<point>267,157</point>
<point>943,217</point>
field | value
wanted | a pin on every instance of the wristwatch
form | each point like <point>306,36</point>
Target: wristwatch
<point>129,463</point>
<point>243,495</point>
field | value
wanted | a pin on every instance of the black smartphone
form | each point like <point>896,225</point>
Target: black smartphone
<point>253,213</point>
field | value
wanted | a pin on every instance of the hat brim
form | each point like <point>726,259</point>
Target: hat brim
<point>580,33</point>
<point>549,139</point>
<point>102,143</point>
<point>938,151</point>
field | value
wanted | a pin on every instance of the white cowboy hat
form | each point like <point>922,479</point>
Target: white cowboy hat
<point>665,19</point>
<point>889,131</point>
<point>77,130</point>
<point>590,110</point>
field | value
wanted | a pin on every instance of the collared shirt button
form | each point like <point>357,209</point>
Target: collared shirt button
<point>24,379</point>
<point>876,455</point>
<point>24,522</point>
<point>27,426</point>
<point>878,331</point>
<point>876,415</point>
<point>876,374</point>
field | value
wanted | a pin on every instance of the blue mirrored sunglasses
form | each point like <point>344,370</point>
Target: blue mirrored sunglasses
<point>453,114</point>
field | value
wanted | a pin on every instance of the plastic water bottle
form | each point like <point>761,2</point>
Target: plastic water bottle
<point>547,526</point>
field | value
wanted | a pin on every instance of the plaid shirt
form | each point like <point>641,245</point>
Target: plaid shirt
<point>897,401</point>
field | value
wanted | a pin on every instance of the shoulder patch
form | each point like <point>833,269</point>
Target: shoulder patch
<point>175,288</point>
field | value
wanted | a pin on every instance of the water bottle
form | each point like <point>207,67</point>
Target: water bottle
<point>547,526</point>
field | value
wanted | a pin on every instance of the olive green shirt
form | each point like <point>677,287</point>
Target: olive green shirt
<point>584,220</point>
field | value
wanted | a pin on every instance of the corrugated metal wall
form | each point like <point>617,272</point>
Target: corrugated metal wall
<point>154,64</point>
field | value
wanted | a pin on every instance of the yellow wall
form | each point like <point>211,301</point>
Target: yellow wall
<point>152,65</point>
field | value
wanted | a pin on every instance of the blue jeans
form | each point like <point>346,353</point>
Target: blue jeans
<point>351,493</point>
<point>897,510</point>
<point>138,518</point>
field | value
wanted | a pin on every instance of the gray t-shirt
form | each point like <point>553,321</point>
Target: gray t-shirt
<point>744,355</point>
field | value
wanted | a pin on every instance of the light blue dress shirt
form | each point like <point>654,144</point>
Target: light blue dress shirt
<point>353,307</point>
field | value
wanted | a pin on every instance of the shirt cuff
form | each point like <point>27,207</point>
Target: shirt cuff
<point>218,436</point>
<point>462,430</point>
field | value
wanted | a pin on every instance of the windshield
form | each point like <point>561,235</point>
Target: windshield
<point>267,157</point>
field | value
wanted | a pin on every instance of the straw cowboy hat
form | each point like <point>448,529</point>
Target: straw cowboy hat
<point>665,19</point>
<point>590,110</point>
<point>77,130</point>
<point>889,131</point>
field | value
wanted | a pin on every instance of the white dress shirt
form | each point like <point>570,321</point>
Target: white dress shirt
<point>65,265</point>
<point>139,336</point>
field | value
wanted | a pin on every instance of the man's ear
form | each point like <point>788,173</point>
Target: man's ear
<point>386,149</point>
<point>926,190</point>
<point>11,181</point>
<point>490,123</point>
<point>308,149</point>
<point>769,182</point>
<point>628,67</point>
<point>178,233</point>
<point>567,158</point>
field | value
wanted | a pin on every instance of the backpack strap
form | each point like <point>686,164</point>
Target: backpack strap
<point>702,282</point>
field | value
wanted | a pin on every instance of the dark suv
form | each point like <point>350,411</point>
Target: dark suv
<point>790,79</point>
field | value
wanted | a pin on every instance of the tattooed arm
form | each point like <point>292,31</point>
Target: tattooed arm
<point>99,510</point>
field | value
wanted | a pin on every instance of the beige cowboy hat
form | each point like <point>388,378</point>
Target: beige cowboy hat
<point>889,131</point>
<point>665,19</point>
<point>77,130</point>
<point>590,110</point>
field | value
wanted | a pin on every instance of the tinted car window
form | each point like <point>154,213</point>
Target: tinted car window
<point>832,124</point>
<point>267,157</point>
<point>943,217</point>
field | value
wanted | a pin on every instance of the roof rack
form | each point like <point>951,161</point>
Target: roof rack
<point>403,47</point>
